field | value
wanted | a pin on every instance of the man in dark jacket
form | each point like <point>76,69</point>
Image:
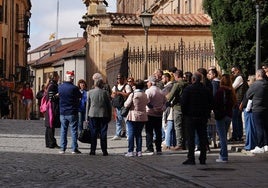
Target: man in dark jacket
<point>69,95</point>
<point>196,104</point>
<point>257,92</point>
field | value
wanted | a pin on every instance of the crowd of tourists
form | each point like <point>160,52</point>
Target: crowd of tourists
<point>173,107</point>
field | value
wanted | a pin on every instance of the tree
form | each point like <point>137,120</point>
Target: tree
<point>234,32</point>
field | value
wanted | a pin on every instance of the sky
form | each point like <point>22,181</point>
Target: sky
<point>44,19</point>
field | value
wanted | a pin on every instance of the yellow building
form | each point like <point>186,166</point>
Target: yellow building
<point>111,34</point>
<point>14,32</point>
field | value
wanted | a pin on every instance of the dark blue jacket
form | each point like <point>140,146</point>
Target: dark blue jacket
<point>69,95</point>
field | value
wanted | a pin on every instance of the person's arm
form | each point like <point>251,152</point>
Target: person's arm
<point>87,105</point>
<point>238,82</point>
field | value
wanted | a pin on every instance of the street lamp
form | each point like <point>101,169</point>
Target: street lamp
<point>258,34</point>
<point>146,20</point>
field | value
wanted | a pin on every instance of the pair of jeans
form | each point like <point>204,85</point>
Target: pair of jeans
<point>153,125</point>
<point>72,122</point>
<point>120,122</point>
<point>134,132</point>
<point>199,125</point>
<point>222,126</point>
<point>170,137</point>
<point>251,138</point>
<point>81,119</point>
<point>98,125</point>
<point>237,124</point>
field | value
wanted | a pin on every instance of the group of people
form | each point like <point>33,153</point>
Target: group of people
<point>175,108</point>
<point>70,105</point>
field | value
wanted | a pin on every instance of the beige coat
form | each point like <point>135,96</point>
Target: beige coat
<point>137,111</point>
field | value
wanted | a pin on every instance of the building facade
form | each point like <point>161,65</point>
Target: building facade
<point>110,34</point>
<point>66,54</point>
<point>14,33</point>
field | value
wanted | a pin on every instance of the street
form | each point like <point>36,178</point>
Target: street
<point>26,162</point>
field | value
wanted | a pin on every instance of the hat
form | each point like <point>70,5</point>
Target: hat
<point>69,76</point>
<point>151,79</point>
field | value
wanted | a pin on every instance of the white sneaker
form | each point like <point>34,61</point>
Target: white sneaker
<point>221,161</point>
<point>129,154</point>
<point>61,152</point>
<point>257,150</point>
<point>116,138</point>
<point>265,148</point>
<point>139,154</point>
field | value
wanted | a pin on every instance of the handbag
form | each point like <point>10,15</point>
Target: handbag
<point>85,136</point>
<point>125,110</point>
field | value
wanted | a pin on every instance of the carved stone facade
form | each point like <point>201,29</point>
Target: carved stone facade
<point>109,34</point>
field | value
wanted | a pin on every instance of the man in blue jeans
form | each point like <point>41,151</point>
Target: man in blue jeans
<point>69,95</point>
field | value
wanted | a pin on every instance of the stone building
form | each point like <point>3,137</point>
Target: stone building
<point>14,33</point>
<point>110,34</point>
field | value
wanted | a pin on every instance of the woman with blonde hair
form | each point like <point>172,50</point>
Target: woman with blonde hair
<point>224,101</point>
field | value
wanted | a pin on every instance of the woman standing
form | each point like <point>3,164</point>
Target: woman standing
<point>82,85</point>
<point>27,100</point>
<point>52,116</point>
<point>224,100</point>
<point>136,118</point>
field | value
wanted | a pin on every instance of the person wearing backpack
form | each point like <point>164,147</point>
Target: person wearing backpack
<point>120,93</point>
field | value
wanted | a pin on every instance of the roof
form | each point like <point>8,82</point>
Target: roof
<point>71,49</point>
<point>45,46</point>
<point>163,19</point>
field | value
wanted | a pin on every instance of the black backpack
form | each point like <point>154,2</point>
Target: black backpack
<point>118,100</point>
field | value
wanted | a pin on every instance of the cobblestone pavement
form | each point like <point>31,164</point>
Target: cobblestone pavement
<point>25,162</point>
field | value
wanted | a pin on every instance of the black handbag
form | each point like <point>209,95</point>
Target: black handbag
<point>85,136</point>
<point>125,110</point>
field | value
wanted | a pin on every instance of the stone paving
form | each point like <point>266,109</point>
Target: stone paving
<point>25,162</point>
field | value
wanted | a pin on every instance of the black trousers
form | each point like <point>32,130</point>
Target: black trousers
<point>154,124</point>
<point>199,125</point>
<point>50,139</point>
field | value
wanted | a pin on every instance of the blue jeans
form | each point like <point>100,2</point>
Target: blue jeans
<point>170,134</point>
<point>119,122</point>
<point>251,138</point>
<point>66,121</point>
<point>237,123</point>
<point>222,129</point>
<point>98,125</point>
<point>134,131</point>
<point>81,119</point>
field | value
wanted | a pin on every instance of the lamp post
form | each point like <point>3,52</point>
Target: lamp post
<point>258,34</point>
<point>146,20</point>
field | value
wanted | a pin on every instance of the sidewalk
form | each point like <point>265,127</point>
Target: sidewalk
<point>25,162</point>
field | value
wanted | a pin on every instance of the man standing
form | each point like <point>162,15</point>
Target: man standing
<point>173,99</point>
<point>196,104</point>
<point>69,95</point>
<point>120,93</point>
<point>257,92</point>
<point>154,109</point>
<point>240,87</point>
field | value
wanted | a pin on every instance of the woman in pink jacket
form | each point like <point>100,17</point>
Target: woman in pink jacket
<point>136,118</point>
